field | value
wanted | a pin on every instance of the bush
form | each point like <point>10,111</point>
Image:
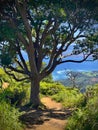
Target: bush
<point>69,98</point>
<point>9,117</point>
<point>79,121</point>
<point>4,77</point>
<point>50,89</point>
<point>14,96</point>
<point>86,118</point>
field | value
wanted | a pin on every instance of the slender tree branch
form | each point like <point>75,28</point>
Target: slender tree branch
<point>21,57</point>
<point>17,70</point>
<point>45,72</point>
<point>13,75</point>
<point>74,61</point>
<point>20,65</point>
<point>52,55</point>
<point>44,34</point>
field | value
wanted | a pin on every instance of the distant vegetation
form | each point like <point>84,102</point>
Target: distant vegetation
<point>82,80</point>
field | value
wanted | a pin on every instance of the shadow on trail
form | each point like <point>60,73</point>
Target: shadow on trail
<point>38,117</point>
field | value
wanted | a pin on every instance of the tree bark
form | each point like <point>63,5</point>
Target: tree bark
<point>34,95</point>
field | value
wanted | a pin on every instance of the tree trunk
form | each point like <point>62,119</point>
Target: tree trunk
<point>34,96</point>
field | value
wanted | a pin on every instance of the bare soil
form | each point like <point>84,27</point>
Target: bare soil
<point>54,117</point>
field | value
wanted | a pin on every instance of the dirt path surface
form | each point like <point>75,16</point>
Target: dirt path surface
<point>51,104</point>
<point>52,118</point>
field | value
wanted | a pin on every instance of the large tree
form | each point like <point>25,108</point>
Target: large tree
<point>55,30</point>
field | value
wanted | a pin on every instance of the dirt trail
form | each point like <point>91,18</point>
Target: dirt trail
<point>53,118</point>
<point>51,104</point>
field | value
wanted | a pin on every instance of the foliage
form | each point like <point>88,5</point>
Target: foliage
<point>4,77</point>
<point>48,79</point>
<point>20,93</point>
<point>69,97</point>
<point>44,30</point>
<point>86,118</point>
<point>15,96</point>
<point>50,89</point>
<point>9,117</point>
<point>61,22</point>
<point>16,93</point>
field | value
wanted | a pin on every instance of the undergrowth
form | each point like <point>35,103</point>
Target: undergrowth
<point>86,117</point>
<point>9,117</point>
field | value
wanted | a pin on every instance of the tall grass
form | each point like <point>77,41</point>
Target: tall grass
<point>9,117</point>
<point>86,118</point>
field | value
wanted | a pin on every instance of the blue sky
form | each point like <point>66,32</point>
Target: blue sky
<point>59,72</point>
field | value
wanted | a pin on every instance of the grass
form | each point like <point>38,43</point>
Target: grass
<point>9,117</point>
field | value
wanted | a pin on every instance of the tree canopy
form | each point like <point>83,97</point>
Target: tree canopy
<point>46,30</point>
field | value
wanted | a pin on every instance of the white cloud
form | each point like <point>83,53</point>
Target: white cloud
<point>60,72</point>
<point>56,77</point>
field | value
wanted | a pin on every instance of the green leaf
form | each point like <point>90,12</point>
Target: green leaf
<point>5,59</point>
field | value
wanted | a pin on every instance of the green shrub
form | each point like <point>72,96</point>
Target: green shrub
<point>17,92</point>
<point>14,96</point>
<point>83,119</point>
<point>86,118</point>
<point>79,121</point>
<point>9,117</point>
<point>21,92</point>
<point>49,89</point>
<point>68,97</point>
<point>17,97</point>
<point>4,77</point>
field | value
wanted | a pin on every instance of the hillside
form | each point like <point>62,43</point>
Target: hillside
<point>83,79</point>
